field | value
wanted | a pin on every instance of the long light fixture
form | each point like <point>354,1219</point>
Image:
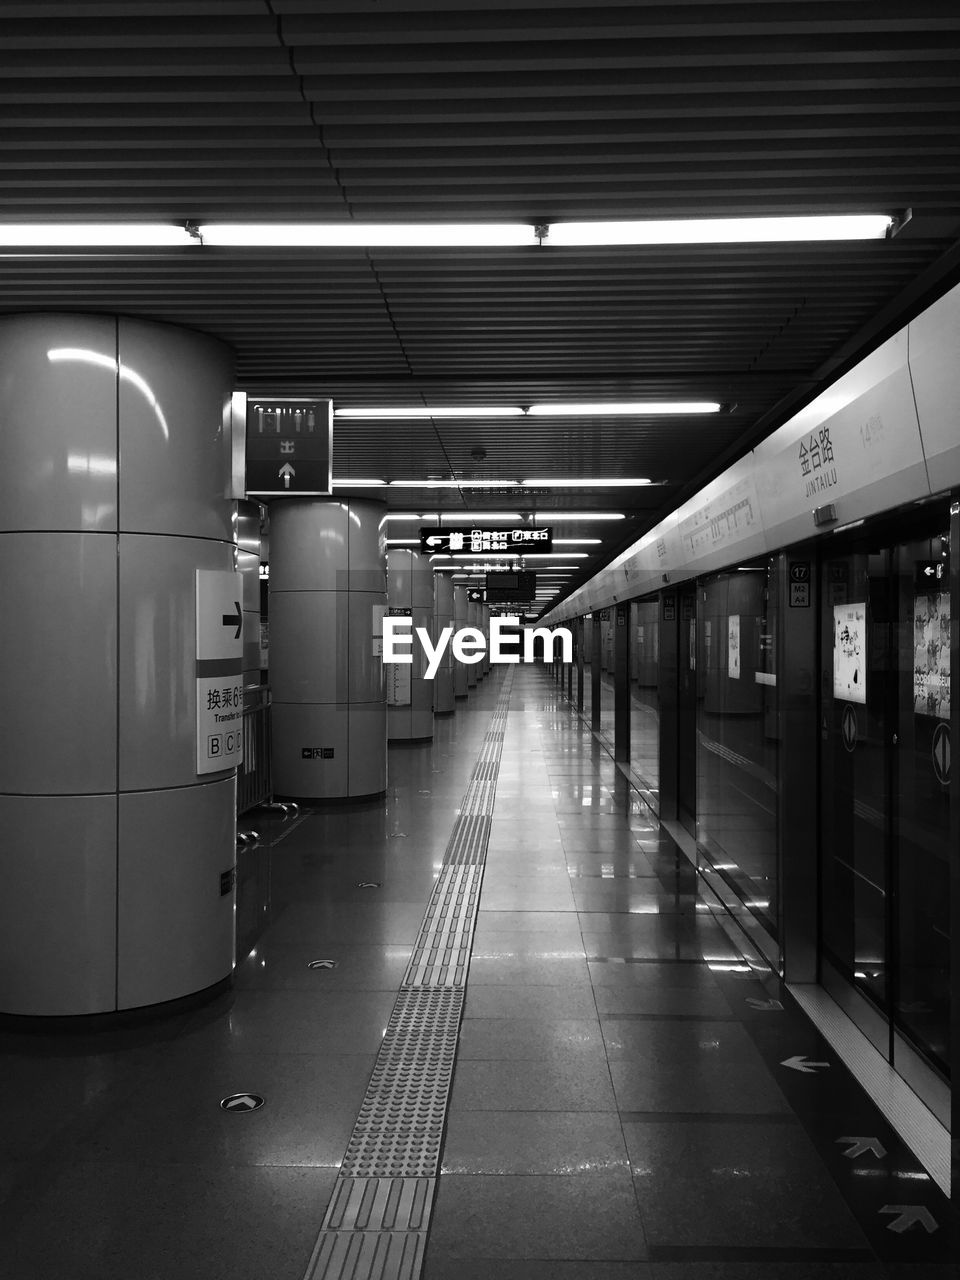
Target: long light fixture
<point>361,235</point>
<point>571,542</point>
<point>347,482</point>
<point>598,408</point>
<point>844,226</point>
<point>640,408</point>
<point>558,517</point>
<point>630,482</point>
<point>452,484</point>
<point>47,235</point>
<point>862,226</point>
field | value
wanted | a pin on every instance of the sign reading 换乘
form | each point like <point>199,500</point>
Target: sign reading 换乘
<point>472,540</point>
<point>219,670</point>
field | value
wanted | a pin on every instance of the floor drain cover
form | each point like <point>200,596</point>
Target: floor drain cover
<point>237,1102</point>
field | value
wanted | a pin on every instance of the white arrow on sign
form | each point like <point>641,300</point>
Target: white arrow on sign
<point>243,1102</point>
<point>799,1063</point>
<point>862,1145</point>
<point>285,473</point>
<point>435,540</point>
<point>766,1005</point>
<point>910,1215</point>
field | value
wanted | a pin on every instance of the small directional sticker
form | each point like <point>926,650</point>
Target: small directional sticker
<point>860,1146</point>
<point>369,884</point>
<point>799,1062</point>
<point>910,1215</point>
<point>237,1102</point>
<point>322,964</point>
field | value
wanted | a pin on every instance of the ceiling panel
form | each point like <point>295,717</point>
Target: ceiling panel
<point>469,110</point>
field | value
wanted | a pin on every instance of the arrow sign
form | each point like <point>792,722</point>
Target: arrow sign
<point>234,620</point>
<point>435,540</point>
<point>862,1145</point>
<point>285,473</point>
<point>799,1063</point>
<point>910,1215</point>
<point>766,1005</point>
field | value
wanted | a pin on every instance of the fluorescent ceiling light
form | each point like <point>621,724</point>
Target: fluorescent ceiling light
<point>422,411</point>
<point>458,516</point>
<point>555,555</point>
<point>403,542</point>
<point>88,234</point>
<point>625,483</point>
<point>558,517</point>
<point>570,542</point>
<point>347,483</point>
<point>637,407</point>
<point>452,484</point>
<point>855,226</point>
<point>322,235</point>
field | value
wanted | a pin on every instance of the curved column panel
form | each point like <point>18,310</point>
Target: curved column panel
<point>409,693</point>
<point>328,595</point>
<point>460,669</point>
<point>114,466</point>
<point>443,617</point>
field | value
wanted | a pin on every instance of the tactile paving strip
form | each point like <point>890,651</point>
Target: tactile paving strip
<point>479,798</point>
<point>375,1227</point>
<point>442,952</point>
<point>468,844</point>
<point>400,1126</point>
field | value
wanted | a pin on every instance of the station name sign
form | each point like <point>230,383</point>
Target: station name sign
<point>472,540</point>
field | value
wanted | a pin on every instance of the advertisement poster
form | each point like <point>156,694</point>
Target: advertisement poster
<point>850,652</point>
<point>733,646</point>
<point>931,655</point>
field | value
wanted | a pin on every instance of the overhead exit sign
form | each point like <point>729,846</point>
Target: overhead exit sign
<point>289,446</point>
<point>474,540</point>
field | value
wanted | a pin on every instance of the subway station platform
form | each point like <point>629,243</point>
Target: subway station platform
<point>591,1077</point>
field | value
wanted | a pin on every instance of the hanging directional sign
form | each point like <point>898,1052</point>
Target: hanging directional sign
<point>237,1103</point>
<point>471,540</point>
<point>219,670</point>
<point>289,446</point>
<point>929,575</point>
<point>941,753</point>
<point>848,728</point>
<point>476,595</point>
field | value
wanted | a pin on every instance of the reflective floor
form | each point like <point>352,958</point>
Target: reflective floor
<point>631,1097</point>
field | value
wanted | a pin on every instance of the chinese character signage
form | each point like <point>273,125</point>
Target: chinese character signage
<point>473,541</point>
<point>289,446</point>
<point>219,670</point>
<point>850,652</point>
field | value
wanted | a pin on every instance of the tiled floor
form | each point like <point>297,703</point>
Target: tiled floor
<point>618,1107</point>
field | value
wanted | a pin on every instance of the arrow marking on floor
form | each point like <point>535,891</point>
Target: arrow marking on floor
<point>910,1215</point>
<point>861,1145</point>
<point>799,1062</point>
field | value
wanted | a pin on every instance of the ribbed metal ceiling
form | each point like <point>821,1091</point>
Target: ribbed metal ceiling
<point>438,110</point>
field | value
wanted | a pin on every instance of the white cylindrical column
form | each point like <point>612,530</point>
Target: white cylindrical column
<point>460,669</point>
<point>443,617</point>
<point>328,595</point>
<point>409,693</point>
<point>118,858</point>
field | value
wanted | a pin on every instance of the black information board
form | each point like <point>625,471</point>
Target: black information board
<point>509,588</point>
<point>473,540</point>
<point>289,446</point>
